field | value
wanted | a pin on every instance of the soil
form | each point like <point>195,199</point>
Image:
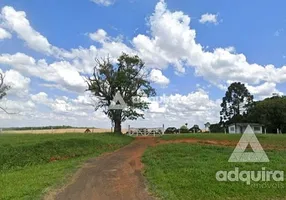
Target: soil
<point>114,176</point>
<point>200,141</point>
<point>117,175</point>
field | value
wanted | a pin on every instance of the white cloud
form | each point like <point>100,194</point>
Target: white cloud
<point>40,98</point>
<point>193,102</point>
<point>99,36</point>
<point>103,2</point>
<point>83,59</point>
<point>60,111</point>
<point>155,107</point>
<point>156,76</point>
<point>171,42</point>
<point>20,85</point>
<point>264,90</point>
<point>80,107</point>
<point>172,110</point>
<point>177,109</point>
<point>4,34</point>
<point>209,18</point>
<point>16,107</point>
<point>16,21</point>
<point>164,48</point>
<point>62,72</point>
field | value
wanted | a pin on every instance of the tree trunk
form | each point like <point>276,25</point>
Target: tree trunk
<point>117,128</point>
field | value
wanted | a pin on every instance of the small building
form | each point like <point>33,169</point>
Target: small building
<point>240,127</point>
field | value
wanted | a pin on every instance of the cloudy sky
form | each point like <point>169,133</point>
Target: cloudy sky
<point>193,49</point>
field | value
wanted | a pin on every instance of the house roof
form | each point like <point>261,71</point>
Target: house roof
<point>245,124</point>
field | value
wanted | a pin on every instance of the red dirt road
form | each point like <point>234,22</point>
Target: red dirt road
<point>115,176</point>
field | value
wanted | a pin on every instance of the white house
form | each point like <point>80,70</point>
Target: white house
<point>240,127</point>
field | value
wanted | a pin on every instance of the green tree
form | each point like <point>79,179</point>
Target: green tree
<point>235,103</point>
<point>3,90</point>
<point>195,129</point>
<point>129,77</point>
<point>271,112</point>
<point>184,129</point>
<point>216,128</point>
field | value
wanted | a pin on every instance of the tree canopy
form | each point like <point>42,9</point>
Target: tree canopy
<point>271,112</point>
<point>238,107</point>
<point>235,103</point>
<point>216,128</point>
<point>184,128</point>
<point>195,129</point>
<point>129,78</point>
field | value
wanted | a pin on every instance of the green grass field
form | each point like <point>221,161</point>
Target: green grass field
<point>209,136</point>
<point>31,165</point>
<point>273,140</point>
<point>188,171</point>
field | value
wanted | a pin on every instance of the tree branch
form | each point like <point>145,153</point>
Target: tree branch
<point>3,109</point>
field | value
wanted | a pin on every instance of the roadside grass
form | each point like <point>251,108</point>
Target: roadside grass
<point>188,171</point>
<point>274,140</point>
<point>204,136</point>
<point>31,165</point>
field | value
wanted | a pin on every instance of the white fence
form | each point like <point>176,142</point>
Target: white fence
<point>145,131</point>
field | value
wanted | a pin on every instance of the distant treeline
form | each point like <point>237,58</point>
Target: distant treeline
<point>41,128</point>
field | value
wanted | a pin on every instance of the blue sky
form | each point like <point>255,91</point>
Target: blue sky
<point>234,41</point>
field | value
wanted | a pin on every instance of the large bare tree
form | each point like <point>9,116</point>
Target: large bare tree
<point>129,78</point>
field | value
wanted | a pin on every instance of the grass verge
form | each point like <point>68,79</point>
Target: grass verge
<point>188,171</point>
<point>273,140</point>
<point>30,165</point>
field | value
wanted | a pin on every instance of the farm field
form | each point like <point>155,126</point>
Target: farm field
<point>272,141</point>
<point>57,131</point>
<point>188,171</point>
<point>31,165</point>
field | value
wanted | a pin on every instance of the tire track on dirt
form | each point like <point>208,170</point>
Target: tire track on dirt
<point>115,176</point>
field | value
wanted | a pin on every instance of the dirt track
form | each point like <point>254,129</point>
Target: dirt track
<point>115,176</point>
